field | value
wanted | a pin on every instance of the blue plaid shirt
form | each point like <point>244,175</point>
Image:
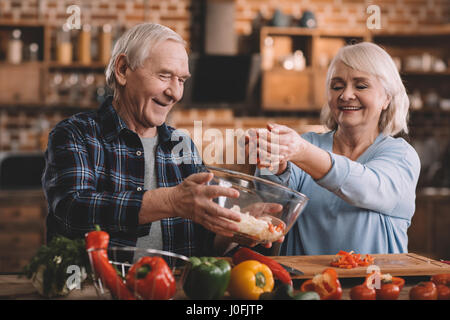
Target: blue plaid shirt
<point>94,174</point>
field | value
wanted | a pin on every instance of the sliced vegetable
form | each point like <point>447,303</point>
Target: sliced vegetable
<point>326,284</point>
<point>349,260</point>
<point>151,279</point>
<point>424,291</point>
<point>207,279</point>
<point>278,271</point>
<point>96,244</point>
<point>249,279</point>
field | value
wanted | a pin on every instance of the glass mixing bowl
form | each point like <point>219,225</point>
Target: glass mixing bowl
<point>268,210</point>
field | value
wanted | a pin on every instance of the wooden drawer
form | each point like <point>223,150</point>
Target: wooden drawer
<point>286,90</point>
<point>14,89</point>
<point>15,262</point>
<point>21,214</point>
<point>23,241</point>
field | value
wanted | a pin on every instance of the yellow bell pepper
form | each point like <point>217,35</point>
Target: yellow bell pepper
<point>249,279</point>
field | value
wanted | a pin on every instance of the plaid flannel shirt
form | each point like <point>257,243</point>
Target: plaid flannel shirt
<point>94,175</point>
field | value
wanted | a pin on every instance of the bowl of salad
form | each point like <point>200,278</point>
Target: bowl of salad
<point>268,210</point>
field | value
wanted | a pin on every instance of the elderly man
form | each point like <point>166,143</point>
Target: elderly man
<point>114,167</point>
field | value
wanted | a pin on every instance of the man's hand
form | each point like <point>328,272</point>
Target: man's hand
<point>192,199</point>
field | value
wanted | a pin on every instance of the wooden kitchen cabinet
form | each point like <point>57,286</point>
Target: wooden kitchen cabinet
<point>22,227</point>
<point>283,87</point>
<point>429,233</point>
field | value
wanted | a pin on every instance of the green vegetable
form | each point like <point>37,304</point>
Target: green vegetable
<point>285,291</point>
<point>207,278</point>
<point>49,268</point>
<point>308,295</point>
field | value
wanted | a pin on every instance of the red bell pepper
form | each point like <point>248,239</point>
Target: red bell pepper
<point>97,242</point>
<point>326,284</point>
<point>371,279</point>
<point>278,271</point>
<point>151,279</point>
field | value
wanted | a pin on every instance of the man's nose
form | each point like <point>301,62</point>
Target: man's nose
<point>175,90</point>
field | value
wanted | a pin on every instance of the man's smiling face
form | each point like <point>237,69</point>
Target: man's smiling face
<point>154,88</point>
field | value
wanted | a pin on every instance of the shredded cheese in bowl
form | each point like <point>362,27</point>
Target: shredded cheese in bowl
<point>261,229</point>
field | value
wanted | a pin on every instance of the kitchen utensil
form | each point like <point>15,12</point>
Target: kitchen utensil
<point>268,209</point>
<point>292,271</point>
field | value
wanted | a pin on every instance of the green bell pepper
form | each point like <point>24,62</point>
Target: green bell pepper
<point>207,278</point>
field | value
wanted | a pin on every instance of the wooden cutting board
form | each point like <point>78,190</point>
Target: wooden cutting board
<point>404,264</point>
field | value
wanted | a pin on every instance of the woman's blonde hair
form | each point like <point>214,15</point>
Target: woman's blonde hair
<point>370,58</point>
<point>136,44</point>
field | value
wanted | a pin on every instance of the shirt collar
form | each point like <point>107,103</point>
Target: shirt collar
<point>113,124</point>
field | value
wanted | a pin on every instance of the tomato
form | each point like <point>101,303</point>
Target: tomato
<point>443,292</point>
<point>424,291</point>
<point>443,278</point>
<point>388,291</point>
<point>362,292</point>
<point>384,279</point>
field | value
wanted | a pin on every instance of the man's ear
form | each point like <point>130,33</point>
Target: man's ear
<point>120,69</point>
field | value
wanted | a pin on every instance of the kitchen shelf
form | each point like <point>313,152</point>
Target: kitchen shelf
<point>288,90</point>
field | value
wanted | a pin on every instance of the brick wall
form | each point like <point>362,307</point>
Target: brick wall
<point>176,14</point>
<point>172,13</point>
<point>345,14</point>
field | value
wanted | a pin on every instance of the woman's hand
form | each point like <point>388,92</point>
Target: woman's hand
<point>277,145</point>
<point>192,199</point>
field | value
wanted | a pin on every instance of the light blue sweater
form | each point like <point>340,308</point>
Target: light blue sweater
<point>364,205</point>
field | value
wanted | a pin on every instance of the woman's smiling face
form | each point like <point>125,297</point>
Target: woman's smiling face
<point>356,98</point>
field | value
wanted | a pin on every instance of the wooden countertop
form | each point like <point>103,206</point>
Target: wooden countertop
<point>13,287</point>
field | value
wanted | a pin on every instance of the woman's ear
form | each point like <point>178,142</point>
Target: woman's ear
<point>387,102</point>
<point>120,69</point>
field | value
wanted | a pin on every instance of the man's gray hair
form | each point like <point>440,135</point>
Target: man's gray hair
<point>137,44</point>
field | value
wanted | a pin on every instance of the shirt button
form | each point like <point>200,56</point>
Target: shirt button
<point>138,153</point>
<point>139,189</point>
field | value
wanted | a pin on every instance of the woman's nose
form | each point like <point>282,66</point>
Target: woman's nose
<point>347,94</point>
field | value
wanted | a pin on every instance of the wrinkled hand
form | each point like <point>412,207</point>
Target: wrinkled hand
<point>277,145</point>
<point>192,199</point>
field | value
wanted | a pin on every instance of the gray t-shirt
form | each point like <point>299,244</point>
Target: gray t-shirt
<point>154,239</point>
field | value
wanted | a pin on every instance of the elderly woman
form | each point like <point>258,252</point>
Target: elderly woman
<point>114,166</point>
<point>361,180</point>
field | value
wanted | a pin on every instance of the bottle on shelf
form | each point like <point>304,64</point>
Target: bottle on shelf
<point>84,45</point>
<point>15,46</point>
<point>33,52</point>
<point>64,46</point>
<point>105,44</point>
